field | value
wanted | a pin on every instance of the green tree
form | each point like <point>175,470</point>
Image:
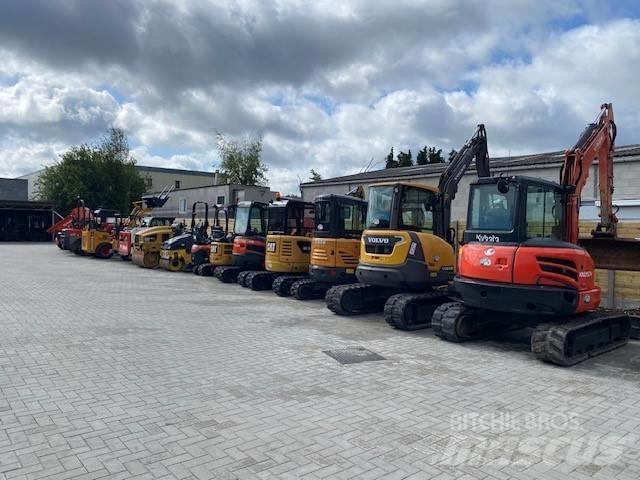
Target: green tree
<point>314,176</point>
<point>452,154</point>
<point>103,175</point>
<point>435,155</point>
<point>241,160</point>
<point>390,161</point>
<point>405,159</point>
<point>423,156</point>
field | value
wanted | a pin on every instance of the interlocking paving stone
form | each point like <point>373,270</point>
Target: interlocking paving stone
<point>108,370</point>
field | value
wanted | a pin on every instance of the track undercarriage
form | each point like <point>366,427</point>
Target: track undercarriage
<point>563,341</point>
<point>357,298</point>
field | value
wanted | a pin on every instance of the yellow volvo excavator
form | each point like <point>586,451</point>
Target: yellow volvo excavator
<point>408,246</point>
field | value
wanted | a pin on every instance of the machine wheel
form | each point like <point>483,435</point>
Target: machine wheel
<point>103,251</point>
<point>455,322</point>
<point>151,260</point>
<point>125,258</point>
<point>175,265</point>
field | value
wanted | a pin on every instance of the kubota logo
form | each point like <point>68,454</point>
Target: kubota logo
<point>481,237</point>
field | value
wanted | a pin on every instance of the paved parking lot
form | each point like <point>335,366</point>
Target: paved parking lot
<point>112,371</point>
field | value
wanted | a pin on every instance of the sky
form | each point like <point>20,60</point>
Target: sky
<point>329,85</point>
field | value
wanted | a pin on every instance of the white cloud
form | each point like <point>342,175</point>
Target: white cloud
<point>330,85</point>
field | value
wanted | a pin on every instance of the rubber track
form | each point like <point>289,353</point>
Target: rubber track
<point>305,290</point>
<point>242,278</point>
<point>226,274</point>
<point>548,340</point>
<point>282,285</point>
<point>396,308</point>
<point>444,319</point>
<point>260,280</point>
<point>206,270</point>
<point>334,298</point>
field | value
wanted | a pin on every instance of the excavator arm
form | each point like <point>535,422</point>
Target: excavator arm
<point>595,143</point>
<point>475,148</point>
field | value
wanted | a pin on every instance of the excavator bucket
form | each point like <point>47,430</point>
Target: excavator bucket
<point>612,253</point>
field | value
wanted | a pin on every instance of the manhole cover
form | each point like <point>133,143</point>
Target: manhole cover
<point>353,355</point>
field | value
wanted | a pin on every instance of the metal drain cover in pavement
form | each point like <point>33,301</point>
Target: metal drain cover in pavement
<point>353,355</point>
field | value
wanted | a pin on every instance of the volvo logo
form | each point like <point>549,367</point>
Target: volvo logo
<point>381,240</point>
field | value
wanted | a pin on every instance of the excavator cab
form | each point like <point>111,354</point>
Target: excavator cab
<point>248,251</point>
<point>401,248</point>
<point>514,257</point>
<point>335,246</point>
<point>290,226</point>
<point>97,236</point>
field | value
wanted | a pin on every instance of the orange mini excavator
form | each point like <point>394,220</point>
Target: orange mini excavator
<point>521,263</point>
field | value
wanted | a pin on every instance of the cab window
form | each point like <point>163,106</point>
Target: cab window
<point>416,209</point>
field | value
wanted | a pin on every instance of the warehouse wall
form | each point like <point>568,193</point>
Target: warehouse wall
<point>157,180</point>
<point>626,174</point>
<point>13,189</point>
<point>180,201</point>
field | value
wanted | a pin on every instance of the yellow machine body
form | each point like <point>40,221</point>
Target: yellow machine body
<point>414,259</point>
<point>96,241</point>
<point>221,254</point>
<point>288,253</point>
<point>146,245</point>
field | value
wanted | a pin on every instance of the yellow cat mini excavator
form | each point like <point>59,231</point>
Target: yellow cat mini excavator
<point>289,229</point>
<point>335,247</point>
<point>408,246</point>
<point>218,250</point>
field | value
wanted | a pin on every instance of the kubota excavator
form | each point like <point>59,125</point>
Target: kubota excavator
<point>408,245</point>
<point>335,246</point>
<point>521,264</point>
<point>248,251</point>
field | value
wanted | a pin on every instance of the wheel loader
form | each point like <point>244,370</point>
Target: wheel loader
<point>407,248</point>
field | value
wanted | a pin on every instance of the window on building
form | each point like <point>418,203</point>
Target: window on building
<point>182,205</point>
<point>177,183</point>
<point>220,200</point>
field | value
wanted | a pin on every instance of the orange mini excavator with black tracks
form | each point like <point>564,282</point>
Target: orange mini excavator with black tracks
<point>249,243</point>
<point>521,263</point>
